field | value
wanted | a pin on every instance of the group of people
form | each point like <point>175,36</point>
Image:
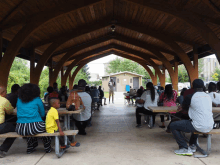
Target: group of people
<point>31,118</point>
<point>194,111</point>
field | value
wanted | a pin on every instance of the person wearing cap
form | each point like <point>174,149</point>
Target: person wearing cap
<point>82,119</point>
<point>199,106</point>
<point>111,85</point>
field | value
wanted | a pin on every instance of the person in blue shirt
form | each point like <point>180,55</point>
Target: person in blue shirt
<point>30,111</point>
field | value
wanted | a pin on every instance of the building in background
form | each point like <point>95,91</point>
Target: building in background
<point>94,77</point>
<point>122,79</point>
<point>210,64</point>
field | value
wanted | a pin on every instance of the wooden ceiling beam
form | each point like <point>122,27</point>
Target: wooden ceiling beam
<point>44,16</point>
<point>194,20</point>
<point>31,26</point>
<point>12,13</point>
<point>171,10</point>
<point>122,38</point>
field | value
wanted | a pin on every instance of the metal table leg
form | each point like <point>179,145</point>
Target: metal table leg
<point>57,147</point>
<point>207,152</point>
<point>66,126</point>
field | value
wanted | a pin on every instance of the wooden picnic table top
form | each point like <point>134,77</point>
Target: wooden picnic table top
<point>174,109</point>
<point>60,102</point>
<point>61,111</point>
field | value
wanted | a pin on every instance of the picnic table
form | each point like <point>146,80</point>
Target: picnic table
<point>167,110</point>
<point>161,109</point>
<point>66,114</point>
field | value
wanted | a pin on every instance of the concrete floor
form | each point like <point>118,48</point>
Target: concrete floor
<point>113,139</point>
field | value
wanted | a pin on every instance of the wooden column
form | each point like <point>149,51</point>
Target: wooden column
<point>154,79</point>
<point>50,66</point>
<point>175,76</point>
<point>1,45</point>
<point>162,78</point>
<point>196,61</point>
<point>31,53</point>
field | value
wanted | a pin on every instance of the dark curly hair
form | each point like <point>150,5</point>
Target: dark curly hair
<point>28,92</point>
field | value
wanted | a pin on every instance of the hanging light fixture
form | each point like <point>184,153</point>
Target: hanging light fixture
<point>113,28</point>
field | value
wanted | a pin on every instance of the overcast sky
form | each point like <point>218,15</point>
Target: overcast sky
<point>97,66</point>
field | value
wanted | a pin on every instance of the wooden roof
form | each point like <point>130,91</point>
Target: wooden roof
<point>141,27</point>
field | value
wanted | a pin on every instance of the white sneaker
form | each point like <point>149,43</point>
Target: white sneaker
<point>184,151</point>
<point>193,148</point>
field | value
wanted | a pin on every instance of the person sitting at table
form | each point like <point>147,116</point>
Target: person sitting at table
<point>82,119</point>
<point>214,96</point>
<point>74,99</point>
<point>218,87</point>
<point>5,127</point>
<point>139,93</point>
<point>30,111</point>
<point>199,106</point>
<point>180,99</point>
<point>63,94</point>
<point>53,125</point>
<point>215,101</point>
<point>55,87</point>
<point>13,96</point>
<point>168,98</point>
<point>148,98</point>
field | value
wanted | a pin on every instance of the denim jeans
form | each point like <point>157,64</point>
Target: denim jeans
<point>183,126</point>
<point>5,128</point>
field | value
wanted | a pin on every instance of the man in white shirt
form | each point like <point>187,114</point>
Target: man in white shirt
<point>199,105</point>
<point>111,85</point>
<point>82,119</point>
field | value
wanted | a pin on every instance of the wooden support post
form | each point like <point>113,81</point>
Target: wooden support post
<point>175,76</point>
<point>51,81</point>
<point>1,45</point>
<point>31,53</point>
<point>162,79</point>
<point>195,61</point>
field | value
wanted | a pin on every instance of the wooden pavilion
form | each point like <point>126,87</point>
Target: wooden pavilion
<point>63,34</point>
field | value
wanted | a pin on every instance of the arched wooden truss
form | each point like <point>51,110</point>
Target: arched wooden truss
<point>61,34</point>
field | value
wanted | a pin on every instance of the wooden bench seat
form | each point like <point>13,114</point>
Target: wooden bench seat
<point>214,131</point>
<point>14,134</point>
<point>208,151</point>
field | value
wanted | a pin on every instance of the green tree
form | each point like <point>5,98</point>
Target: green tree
<point>19,73</point>
<point>216,75</point>
<point>95,83</point>
<point>121,65</point>
<point>82,74</point>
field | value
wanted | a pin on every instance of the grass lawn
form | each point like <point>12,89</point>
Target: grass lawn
<point>106,94</point>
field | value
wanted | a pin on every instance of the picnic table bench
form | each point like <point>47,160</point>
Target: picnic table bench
<point>68,132</point>
<point>161,109</point>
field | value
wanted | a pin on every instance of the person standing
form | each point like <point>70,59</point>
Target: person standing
<point>111,86</point>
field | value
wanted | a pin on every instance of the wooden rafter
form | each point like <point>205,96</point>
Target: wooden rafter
<point>44,16</point>
<point>12,13</point>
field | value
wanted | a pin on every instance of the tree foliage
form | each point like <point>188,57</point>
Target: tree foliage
<point>19,73</point>
<point>121,65</point>
<point>216,75</point>
<point>82,74</point>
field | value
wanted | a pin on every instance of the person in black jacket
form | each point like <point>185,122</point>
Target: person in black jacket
<point>101,96</point>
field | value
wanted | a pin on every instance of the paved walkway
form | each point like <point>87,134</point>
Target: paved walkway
<point>114,140</point>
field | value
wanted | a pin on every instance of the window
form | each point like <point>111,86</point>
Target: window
<point>131,80</point>
<point>118,80</point>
